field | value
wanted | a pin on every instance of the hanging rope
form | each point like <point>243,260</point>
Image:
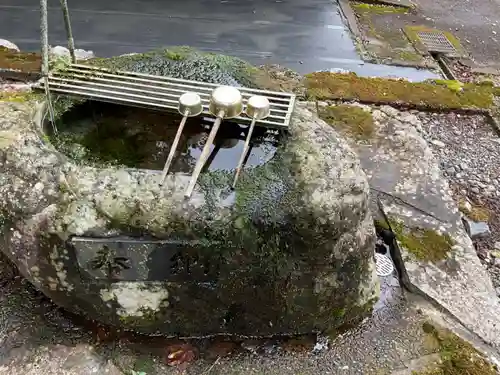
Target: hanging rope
<point>44,38</point>
<point>69,33</point>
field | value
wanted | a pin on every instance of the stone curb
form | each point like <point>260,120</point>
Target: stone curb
<point>404,278</point>
<point>350,18</point>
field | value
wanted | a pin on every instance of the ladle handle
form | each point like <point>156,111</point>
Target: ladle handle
<point>204,155</point>
<point>173,148</point>
<point>244,153</point>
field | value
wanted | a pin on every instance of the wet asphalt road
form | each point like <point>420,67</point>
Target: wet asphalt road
<point>303,35</point>
<point>295,33</point>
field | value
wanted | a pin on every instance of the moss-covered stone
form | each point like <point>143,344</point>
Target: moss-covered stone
<point>457,357</point>
<point>187,63</point>
<point>271,257</point>
<point>349,317</point>
<point>351,119</point>
<point>146,317</point>
<point>424,244</point>
<point>427,95</point>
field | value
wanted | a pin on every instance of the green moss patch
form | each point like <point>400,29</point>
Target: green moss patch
<point>381,224</point>
<point>186,63</point>
<point>451,84</point>
<point>19,96</point>
<point>426,95</point>
<point>457,357</point>
<point>412,34</point>
<point>20,61</point>
<point>378,9</point>
<point>424,244</point>
<point>178,53</point>
<point>351,119</point>
<point>474,212</point>
<point>408,55</point>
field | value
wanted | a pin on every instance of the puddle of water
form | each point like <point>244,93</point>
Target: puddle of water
<point>392,71</point>
<point>386,71</point>
<point>141,138</point>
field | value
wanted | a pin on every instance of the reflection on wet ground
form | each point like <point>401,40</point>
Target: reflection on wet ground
<point>392,71</point>
<point>141,138</point>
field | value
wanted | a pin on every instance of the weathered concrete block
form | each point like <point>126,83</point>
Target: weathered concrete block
<point>290,251</point>
<point>438,258</point>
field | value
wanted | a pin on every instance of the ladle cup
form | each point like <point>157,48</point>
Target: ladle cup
<point>225,103</point>
<point>189,106</point>
<point>258,108</point>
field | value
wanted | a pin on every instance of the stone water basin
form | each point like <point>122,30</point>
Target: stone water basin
<point>85,220</point>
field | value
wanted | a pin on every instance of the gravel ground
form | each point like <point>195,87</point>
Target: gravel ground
<point>469,153</point>
<point>462,72</point>
<point>466,74</point>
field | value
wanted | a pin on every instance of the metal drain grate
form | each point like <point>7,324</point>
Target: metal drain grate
<point>383,265</point>
<point>156,92</point>
<point>436,41</point>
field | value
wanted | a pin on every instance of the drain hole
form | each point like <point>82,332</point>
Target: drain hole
<point>381,247</point>
<point>441,60</point>
<point>383,264</point>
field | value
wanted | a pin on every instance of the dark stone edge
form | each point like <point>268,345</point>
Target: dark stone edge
<point>495,124</point>
<point>18,75</point>
<point>423,108</point>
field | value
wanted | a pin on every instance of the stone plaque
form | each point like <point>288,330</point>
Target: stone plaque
<point>135,259</point>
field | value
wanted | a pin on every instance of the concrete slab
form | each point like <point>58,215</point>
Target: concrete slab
<point>475,24</point>
<point>405,176</point>
<point>383,41</point>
